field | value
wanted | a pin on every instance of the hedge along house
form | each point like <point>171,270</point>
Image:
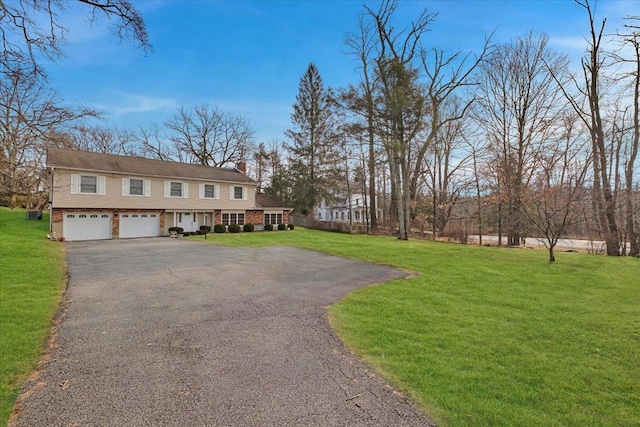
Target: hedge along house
<point>104,196</point>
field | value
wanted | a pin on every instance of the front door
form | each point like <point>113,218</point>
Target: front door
<point>188,221</point>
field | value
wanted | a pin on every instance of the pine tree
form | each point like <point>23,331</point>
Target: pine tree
<point>313,142</point>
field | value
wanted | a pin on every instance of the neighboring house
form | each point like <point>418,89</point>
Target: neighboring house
<point>354,209</point>
<point>103,196</point>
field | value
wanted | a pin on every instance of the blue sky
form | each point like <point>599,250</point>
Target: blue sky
<point>247,57</point>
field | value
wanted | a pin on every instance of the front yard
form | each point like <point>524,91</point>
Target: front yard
<point>32,281</point>
<point>481,337</point>
<point>491,336</point>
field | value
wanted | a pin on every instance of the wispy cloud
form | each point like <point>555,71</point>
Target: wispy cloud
<point>576,44</point>
<point>133,103</point>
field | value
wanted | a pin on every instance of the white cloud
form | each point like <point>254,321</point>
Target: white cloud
<point>576,44</point>
<point>132,103</point>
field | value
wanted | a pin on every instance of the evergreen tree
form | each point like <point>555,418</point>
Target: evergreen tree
<point>312,143</point>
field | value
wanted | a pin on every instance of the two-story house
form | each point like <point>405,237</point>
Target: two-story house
<point>354,209</point>
<point>103,196</point>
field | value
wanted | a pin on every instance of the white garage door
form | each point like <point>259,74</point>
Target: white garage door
<point>139,225</point>
<point>86,226</point>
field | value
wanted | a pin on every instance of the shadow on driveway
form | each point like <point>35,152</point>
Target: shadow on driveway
<point>166,332</point>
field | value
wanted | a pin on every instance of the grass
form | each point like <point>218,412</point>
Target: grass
<point>490,336</point>
<point>32,281</point>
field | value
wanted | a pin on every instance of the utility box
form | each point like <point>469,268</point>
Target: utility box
<point>34,214</point>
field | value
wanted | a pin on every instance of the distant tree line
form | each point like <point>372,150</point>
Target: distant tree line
<point>508,140</point>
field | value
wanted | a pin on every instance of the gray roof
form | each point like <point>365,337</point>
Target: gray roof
<point>109,163</point>
<point>266,201</point>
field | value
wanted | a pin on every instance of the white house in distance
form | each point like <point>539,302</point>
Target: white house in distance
<point>354,209</point>
<point>97,196</point>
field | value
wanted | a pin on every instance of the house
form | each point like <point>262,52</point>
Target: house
<point>354,209</point>
<point>104,196</point>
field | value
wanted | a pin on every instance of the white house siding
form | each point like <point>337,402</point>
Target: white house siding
<point>113,198</point>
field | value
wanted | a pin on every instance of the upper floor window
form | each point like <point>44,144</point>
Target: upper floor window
<point>136,187</point>
<point>88,184</point>
<point>209,191</point>
<point>238,194</point>
<point>176,189</point>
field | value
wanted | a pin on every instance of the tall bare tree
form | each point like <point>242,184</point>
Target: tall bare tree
<point>360,100</point>
<point>31,30</point>
<point>208,136</point>
<point>401,105</point>
<point>519,103</point>
<point>631,41</point>
<point>31,116</point>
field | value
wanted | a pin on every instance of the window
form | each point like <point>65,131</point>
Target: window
<point>88,184</point>
<point>209,191</point>
<point>273,218</point>
<point>237,193</point>
<point>136,187</point>
<point>176,189</point>
<point>233,218</point>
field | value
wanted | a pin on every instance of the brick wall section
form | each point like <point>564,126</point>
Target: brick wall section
<point>255,217</point>
<point>217,217</point>
<point>285,217</point>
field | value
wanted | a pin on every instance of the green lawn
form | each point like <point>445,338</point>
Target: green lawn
<point>490,336</point>
<point>32,281</point>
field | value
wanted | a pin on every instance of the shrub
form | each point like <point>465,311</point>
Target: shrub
<point>268,227</point>
<point>248,228</point>
<point>234,228</point>
<point>282,227</point>
<point>291,226</point>
<point>178,230</point>
<point>219,228</point>
<point>205,229</point>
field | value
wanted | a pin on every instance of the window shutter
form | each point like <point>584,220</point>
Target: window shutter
<point>147,188</point>
<point>231,192</point>
<point>167,188</point>
<point>216,191</point>
<point>125,186</point>
<point>185,190</point>
<point>245,192</point>
<point>102,185</point>
<point>201,191</point>
<point>75,183</point>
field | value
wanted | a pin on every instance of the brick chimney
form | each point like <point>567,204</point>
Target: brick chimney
<point>241,166</point>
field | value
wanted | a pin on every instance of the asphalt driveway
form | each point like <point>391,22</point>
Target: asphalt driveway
<point>167,332</point>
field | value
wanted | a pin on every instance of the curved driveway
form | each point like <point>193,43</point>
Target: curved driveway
<point>167,332</point>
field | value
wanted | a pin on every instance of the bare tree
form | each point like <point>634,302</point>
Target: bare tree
<point>631,40</point>
<point>152,144</point>
<point>208,136</point>
<point>31,30</point>
<point>519,103</point>
<point>401,105</point>
<point>551,201</point>
<point>360,100</point>
<point>102,139</point>
<point>30,117</point>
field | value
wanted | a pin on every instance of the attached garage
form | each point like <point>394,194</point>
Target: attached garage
<point>86,226</point>
<point>139,225</point>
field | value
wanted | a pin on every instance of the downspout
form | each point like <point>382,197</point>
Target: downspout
<point>51,199</point>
